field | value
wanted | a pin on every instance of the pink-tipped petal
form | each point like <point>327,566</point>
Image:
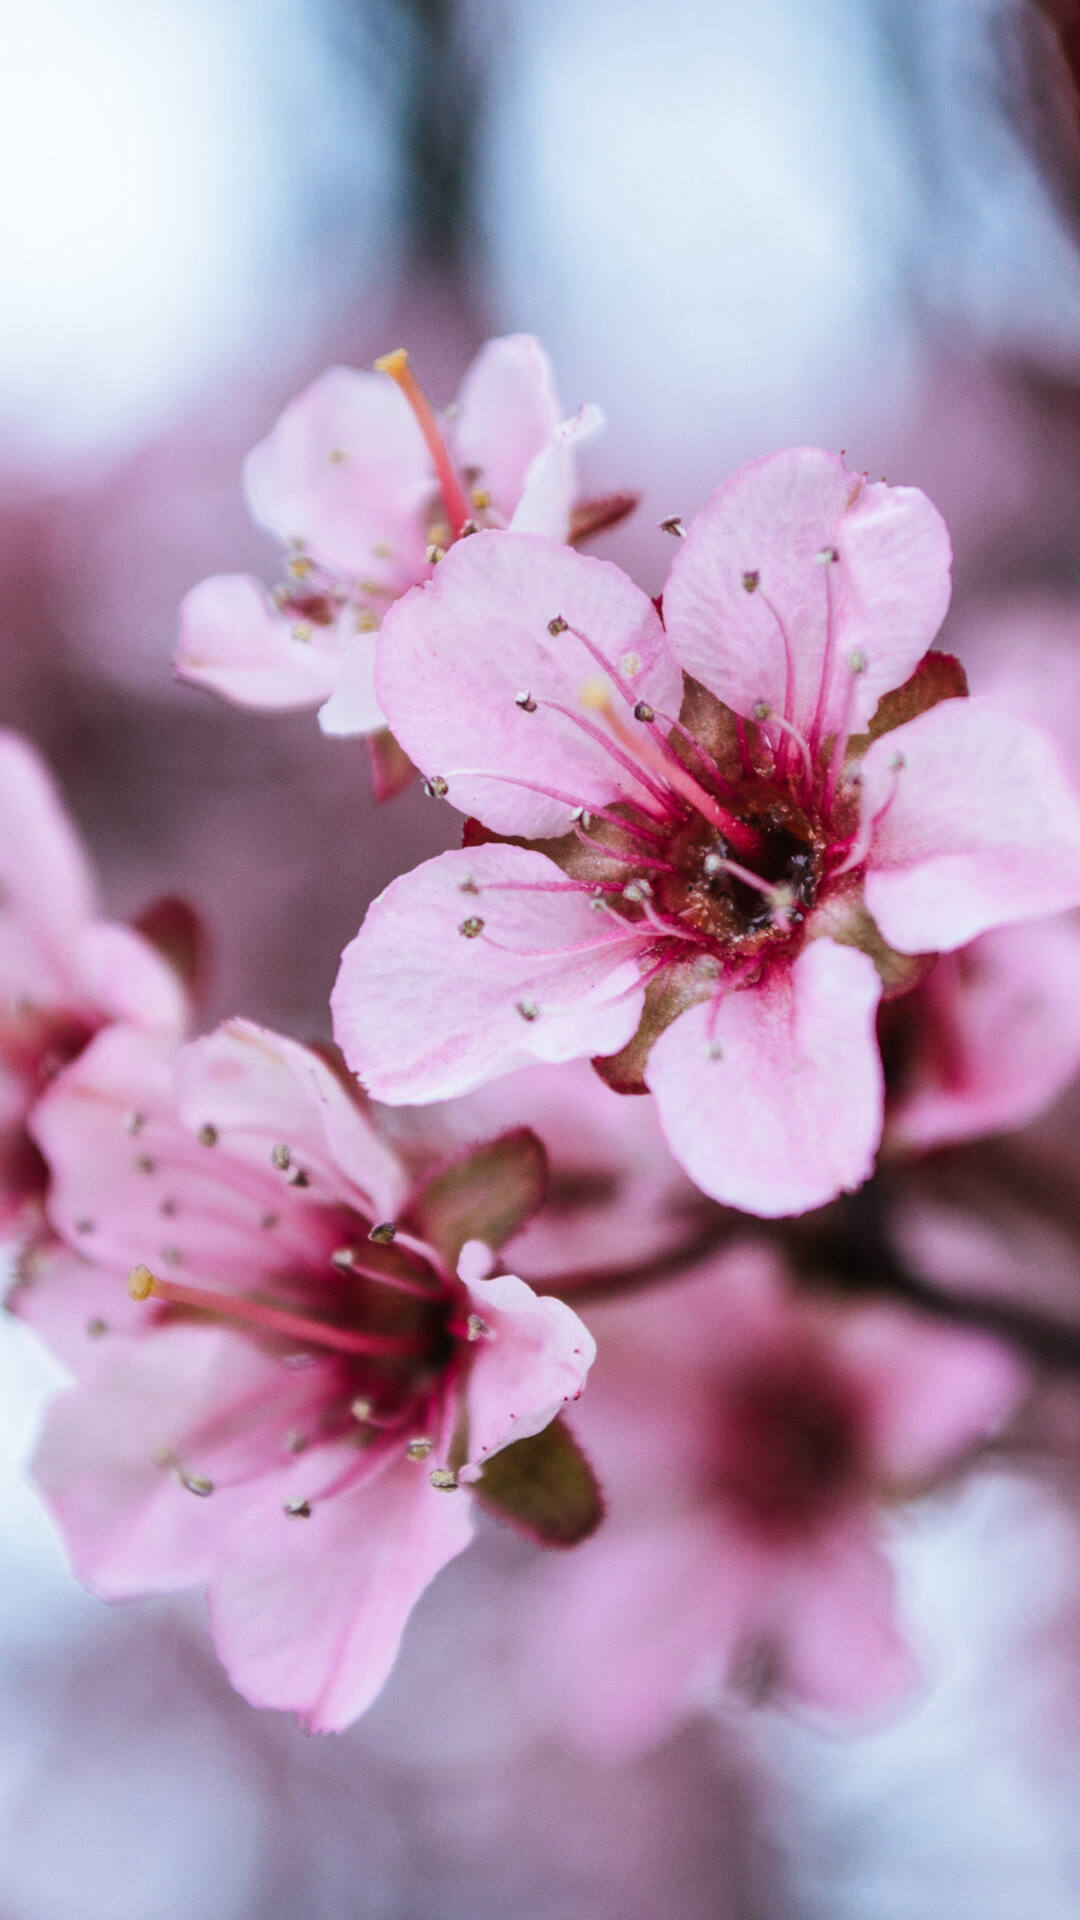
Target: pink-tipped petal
<point>346,475</point>
<point>455,657</point>
<point>531,1361</point>
<point>930,1393</point>
<point>509,412</point>
<point>261,1091</point>
<point>787,1113</point>
<point>843,1651</point>
<point>234,641</point>
<point>754,568</point>
<point>308,1612</point>
<point>979,826</point>
<point>46,888</point>
<point>426,1005</point>
<point>996,1036</point>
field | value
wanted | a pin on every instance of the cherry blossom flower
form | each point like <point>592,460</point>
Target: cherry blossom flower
<point>753,817</point>
<point>64,972</point>
<point>307,1368</point>
<point>746,1547</point>
<point>365,486</point>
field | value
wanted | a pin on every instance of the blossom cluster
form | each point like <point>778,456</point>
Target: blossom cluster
<point>749,851</point>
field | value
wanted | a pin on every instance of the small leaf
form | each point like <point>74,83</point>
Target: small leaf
<point>544,1488</point>
<point>176,929</point>
<point>938,676</point>
<point>389,765</point>
<point>487,1193</point>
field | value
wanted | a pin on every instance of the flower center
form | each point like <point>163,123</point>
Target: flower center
<point>789,1442</point>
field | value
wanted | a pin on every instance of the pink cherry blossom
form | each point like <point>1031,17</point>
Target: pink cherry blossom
<point>289,1409</point>
<point>746,1544</point>
<point>64,973</point>
<point>733,868</point>
<point>364,489</point>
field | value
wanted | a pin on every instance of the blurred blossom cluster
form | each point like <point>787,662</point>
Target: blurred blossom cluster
<point>540,960</point>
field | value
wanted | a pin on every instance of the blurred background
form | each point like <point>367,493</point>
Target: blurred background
<point>852,222</point>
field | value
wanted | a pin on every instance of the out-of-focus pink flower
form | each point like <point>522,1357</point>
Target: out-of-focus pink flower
<point>64,973</point>
<point>748,1441</point>
<point>992,1036</point>
<point>733,868</point>
<point>287,1417</point>
<point>365,490</point>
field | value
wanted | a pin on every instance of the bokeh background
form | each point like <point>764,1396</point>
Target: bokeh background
<point>846,221</point>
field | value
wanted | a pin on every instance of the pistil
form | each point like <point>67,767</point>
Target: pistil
<point>144,1285</point>
<point>396,365</point>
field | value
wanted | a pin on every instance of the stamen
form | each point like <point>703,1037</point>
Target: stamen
<point>144,1285</point>
<point>763,712</point>
<point>579,807</point>
<point>789,681</point>
<point>856,666</point>
<point>863,839</point>
<point>672,771</point>
<point>396,364</point>
<point>826,559</point>
<point>673,525</point>
<point>623,759</point>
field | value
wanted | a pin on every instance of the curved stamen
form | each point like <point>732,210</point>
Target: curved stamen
<point>857,666</point>
<point>617,753</point>
<point>144,1285</point>
<point>789,679</point>
<point>863,840</point>
<point>564,799</point>
<point>744,838</point>
<point>826,560</point>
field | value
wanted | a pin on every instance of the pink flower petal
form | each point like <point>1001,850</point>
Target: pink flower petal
<point>767,526</point>
<point>234,641</point>
<point>46,887</point>
<point>930,1393</point>
<point>261,1090</point>
<point>997,1036</point>
<point>550,488</point>
<point>131,1184</point>
<point>422,1011</point>
<point>105,1458</point>
<point>979,826</point>
<point>345,473</point>
<point>531,1362</point>
<point>74,1306</point>
<point>308,1614</point>
<point>789,1114</point>
<point>509,412</point>
<point>842,1649</point>
<point>454,656</point>
<point>125,978</point>
<point>630,1630</point>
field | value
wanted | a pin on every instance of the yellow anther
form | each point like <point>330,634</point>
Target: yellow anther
<point>366,621</point>
<point>300,567</point>
<point>480,498</point>
<point>140,1283</point>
